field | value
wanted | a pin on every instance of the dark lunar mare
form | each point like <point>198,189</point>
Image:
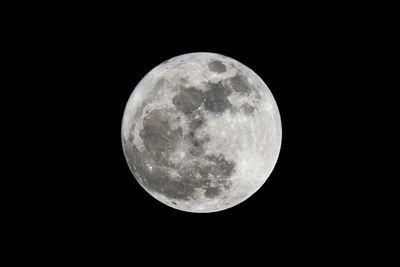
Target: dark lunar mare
<point>211,174</point>
<point>157,179</point>
<point>240,85</point>
<point>158,138</point>
<point>187,100</point>
<point>194,174</point>
<point>215,99</point>
<point>217,66</point>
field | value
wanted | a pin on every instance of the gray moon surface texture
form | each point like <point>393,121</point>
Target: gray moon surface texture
<point>201,132</point>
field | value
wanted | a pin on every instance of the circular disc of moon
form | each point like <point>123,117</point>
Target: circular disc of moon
<point>201,132</point>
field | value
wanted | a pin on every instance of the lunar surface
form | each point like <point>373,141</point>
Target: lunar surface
<point>201,132</point>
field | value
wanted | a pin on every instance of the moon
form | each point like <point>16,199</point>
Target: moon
<point>201,132</point>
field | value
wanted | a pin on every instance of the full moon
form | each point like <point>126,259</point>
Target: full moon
<point>201,132</point>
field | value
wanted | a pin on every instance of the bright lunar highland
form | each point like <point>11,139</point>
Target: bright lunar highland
<point>201,132</point>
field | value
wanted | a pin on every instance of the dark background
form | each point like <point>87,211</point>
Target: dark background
<point>91,58</point>
<point>299,198</point>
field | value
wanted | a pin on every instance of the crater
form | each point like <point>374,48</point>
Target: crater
<point>217,66</point>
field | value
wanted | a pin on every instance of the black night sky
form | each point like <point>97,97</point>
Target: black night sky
<point>94,60</point>
<point>299,195</point>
